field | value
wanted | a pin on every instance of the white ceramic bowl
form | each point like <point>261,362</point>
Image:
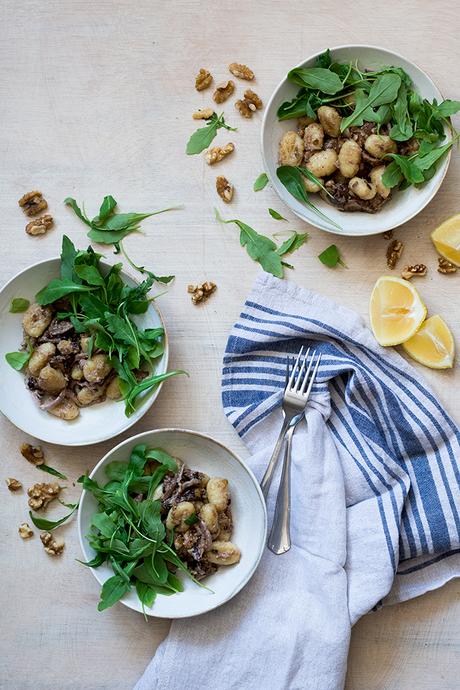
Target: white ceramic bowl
<point>200,452</point>
<point>403,205</point>
<point>95,423</point>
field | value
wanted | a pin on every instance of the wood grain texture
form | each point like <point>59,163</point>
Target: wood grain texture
<point>96,98</point>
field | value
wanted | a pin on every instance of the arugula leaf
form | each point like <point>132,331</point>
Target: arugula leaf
<point>259,247</point>
<point>316,78</point>
<point>18,360</point>
<point>146,593</point>
<point>18,305</point>
<point>192,519</point>
<point>163,458</point>
<point>331,257</point>
<point>68,255</point>
<point>49,525</point>
<point>149,383</point>
<point>384,90</point>
<point>291,178</point>
<point>58,288</point>
<point>294,242</point>
<point>324,59</point>
<point>90,274</point>
<point>73,204</point>
<point>106,526</point>
<point>50,470</point>
<point>201,139</point>
<point>277,216</point>
<point>107,208</point>
<point>261,182</point>
<point>112,591</point>
<point>95,562</point>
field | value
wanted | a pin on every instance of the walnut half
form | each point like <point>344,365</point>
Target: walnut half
<point>51,546</point>
<point>249,104</point>
<point>414,270</point>
<point>224,189</point>
<point>394,251</point>
<point>201,292</point>
<point>32,203</point>
<point>40,225</point>
<point>241,71</point>
<point>13,484</point>
<point>33,454</point>
<point>204,114</point>
<point>217,153</point>
<point>42,494</point>
<point>223,91</point>
<point>445,266</point>
<point>203,79</point>
<point>25,532</point>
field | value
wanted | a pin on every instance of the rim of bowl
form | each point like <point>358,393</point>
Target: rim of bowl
<point>312,222</point>
<point>148,403</point>
<point>249,472</point>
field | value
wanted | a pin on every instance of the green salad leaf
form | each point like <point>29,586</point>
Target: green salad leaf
<point>277,216</point>
<point>261,182</point>
<point>202,138</point>
<point>331,257</point>
<point>18,305</point>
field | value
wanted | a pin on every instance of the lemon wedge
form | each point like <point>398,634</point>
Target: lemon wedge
<point>396,310</point>
<point>432,345</point>
<point>446,239</point>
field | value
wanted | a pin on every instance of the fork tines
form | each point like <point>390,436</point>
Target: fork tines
<point>299,377</point>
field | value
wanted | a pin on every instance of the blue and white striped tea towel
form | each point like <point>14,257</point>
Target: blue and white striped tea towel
<point>375,505</point>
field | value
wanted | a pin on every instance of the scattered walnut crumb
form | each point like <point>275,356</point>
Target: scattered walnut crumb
<point>203,79</point>
<point>414,270</point>
<point>224,189</point>
<point>217,153</point>
<point>248,106</point>
<point>40,225</point>
<point>394,251</point>
<point>32,203</point>
<point>51,546</point>
<point>201,292</point>
<point>387,235</point>
<point>13,484</point>
<point>204,114</point>
<point>42,494</point>
<point>25,532</point>
<point>223,91</point>
<point>33,454</point>
<point>241,71</point>
<point>446,266</point>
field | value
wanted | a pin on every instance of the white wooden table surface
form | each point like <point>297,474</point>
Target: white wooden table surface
<point>96,98</point>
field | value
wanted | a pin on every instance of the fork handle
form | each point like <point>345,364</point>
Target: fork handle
<point>279,540</point>
<point>268,476</point>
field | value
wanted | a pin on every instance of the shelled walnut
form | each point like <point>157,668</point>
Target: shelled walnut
<point>32,203</point>
<point>24,530</point>
<point>248,106</point>
<point>42,494</point>
<point>33,454</point>
<point>13,484</point>
<point>224,189</point>
<point>203,80</point>
<point>387,235</point>
<point>39,226</point>
<point>201,292</point>
<point>394,251</point>
<point>241,71</point>
<point>218,153</point>
<point>204,114</point>
<point>409,272</point>
<point>223,91</point>
<point>51,546</point>
<point>445,266</point>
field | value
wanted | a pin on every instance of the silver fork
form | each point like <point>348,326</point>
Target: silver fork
<point>296,395</point>
<point>293,405</point>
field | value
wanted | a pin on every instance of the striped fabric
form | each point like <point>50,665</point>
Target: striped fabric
<point>397,445</point>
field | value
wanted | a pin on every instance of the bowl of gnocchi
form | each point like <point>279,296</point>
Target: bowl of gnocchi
<point>356,140</point>
<point>171,523</point>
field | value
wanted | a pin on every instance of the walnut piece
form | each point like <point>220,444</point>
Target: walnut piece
<point>446,266</point>
<point>223,91</point>
<point>13,484</point>
<point>414,270</point>
<point>201,292</point>
<point>249,104</point>
<point>203,79</point>
<point>241,71</point>
<point>40,225</point>
<point>51,546</point>
<point>387,235</point>
<point>33,454</point>
<point>42,494</point>
<point>394,251</point>
<point>32,203</point>
<point>25,531</point>
<point>217,153</point>
<point>224,189</point>
<point>204,114</point>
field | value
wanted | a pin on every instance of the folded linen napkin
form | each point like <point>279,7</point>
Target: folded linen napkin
<point>375,501</point>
